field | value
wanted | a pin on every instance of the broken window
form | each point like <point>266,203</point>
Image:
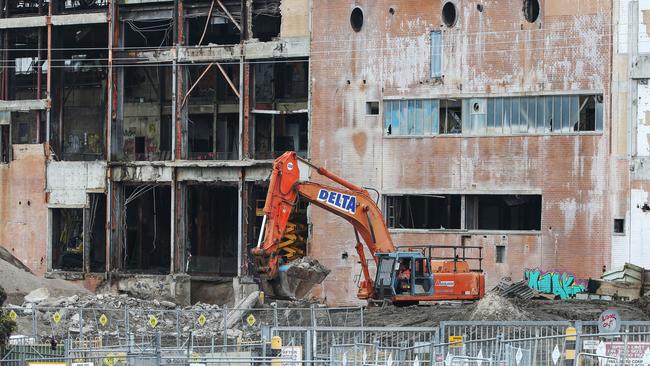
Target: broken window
<point>494,116</point>
<point>213,122</point>
<point>543,114</point>
<point>212,229</point>
<point>79,95</point>
<point>503,212</point>
<point>67,239</point>
<point>436,54</point>
<point>266,19</point>
<point>27,55</point>
<point>372,108</point>
<point>148,33</point>
<point>280,112</point>
<point>24,127</point>
<point>219,28</point>
<point>437,212</point>
<point>146,233</point>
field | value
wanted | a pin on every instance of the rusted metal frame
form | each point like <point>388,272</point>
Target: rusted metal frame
<point>179,82</point>
<point>48,110</point>
<point>207,22</point>
<point>225,10</point>
<point>110,195</point>
<point>39,76</point>
<point>223,72</point>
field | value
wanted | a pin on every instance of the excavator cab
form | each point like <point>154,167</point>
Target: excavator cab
<point>402,277</point>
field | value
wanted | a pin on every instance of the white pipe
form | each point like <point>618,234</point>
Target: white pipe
<point>259,240</point>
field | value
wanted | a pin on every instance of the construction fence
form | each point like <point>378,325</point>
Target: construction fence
<point>479,343</point>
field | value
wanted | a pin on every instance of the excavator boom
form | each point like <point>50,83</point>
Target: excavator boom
<point>350,202</point>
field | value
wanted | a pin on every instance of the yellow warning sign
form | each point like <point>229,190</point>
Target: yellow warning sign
<point>153,321</point>
<point>109,360</point>
<point>201,320</point>
<point>455,341</point>
<point>13,315</point>
<point>56,317</point>
<point>103,320</point>
<point>251,320</point>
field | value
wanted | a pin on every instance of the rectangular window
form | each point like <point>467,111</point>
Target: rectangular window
<point>503,212</point>
<point>480,212</point>
<point>437,212</point>
<point>4,143</point>
<point>372,108</point>
<point>494,116</point>
<point>436,55</point>
<point>67,239</point>
<point>619,226</point>
<point>500,254</point>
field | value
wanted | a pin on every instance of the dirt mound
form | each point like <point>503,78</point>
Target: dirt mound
<point>17,282</point>
<point>495,307</point>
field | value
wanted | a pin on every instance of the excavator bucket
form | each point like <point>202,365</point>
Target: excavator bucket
<point>295,279</point>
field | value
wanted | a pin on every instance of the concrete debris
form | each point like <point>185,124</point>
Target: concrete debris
<point>495,307</point>
<point>520,290</point>
<point>626,283</point>
<point>303,274</point>
<point>241,308</point>
<point>38,295</point>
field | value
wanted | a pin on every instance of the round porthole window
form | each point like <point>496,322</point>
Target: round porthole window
<point>531,10</point>
<point>449,14</point>
<point>356,19</point>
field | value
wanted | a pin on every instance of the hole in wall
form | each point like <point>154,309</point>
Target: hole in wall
<point>356,19</point>
<point>531,10</point>
<point>479,7</point>
<point>645,207</point>
<point>391,11</point>
<point>449,14</point>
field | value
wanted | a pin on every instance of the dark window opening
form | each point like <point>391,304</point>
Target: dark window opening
<point>79,92</point>
<point>67,239</point>
<point>24,127</point>
<point>280,117</point>
<point>531,10</point>
<point>5,144</point>
<point>451,116</point>
<point>146,125</point>
<point>587,114</point>
<point>212,229</point>
<point>619,226</point>
<point>372,108</point>
<point>146,224</point>
<point>500,254</point>
<point>356,19</point>
<point>503,212</point>
<point>449,14</point>
<point>220,29</point>
<point>423,212</point>
<point>27,55</point>
<point>213,137</point>
<point>267,19</point>
<point>152,33</point>
<point>140,149</point>
<point>96,223</point>
<point>275,134</point>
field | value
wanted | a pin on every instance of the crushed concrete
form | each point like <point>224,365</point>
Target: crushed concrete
<point>495,307</point>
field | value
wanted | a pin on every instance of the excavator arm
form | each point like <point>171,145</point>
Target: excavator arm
<point>351,202</point>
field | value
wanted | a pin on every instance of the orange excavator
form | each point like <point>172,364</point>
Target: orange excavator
<point>405,275</point>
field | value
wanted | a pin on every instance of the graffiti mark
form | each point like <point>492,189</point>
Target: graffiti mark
<point>563,285</point>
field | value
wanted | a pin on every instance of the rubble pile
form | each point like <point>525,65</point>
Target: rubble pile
<point>496,307</point>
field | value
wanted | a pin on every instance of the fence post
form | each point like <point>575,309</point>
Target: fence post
<point>178,331</point>
<point>158,349</point>
<point>578,347</point>
<point>35,322</point>
<point>127,331</point>
<point>309,351</point>
<point>624,356</point>
<point>497,357</point>
<point>81,324</point>
<point>225,327</point>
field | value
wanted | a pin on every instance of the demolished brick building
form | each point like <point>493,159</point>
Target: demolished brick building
<point>138,136</point>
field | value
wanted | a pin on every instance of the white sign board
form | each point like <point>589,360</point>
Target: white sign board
<point>291,355</point>
<point>635,354</point>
